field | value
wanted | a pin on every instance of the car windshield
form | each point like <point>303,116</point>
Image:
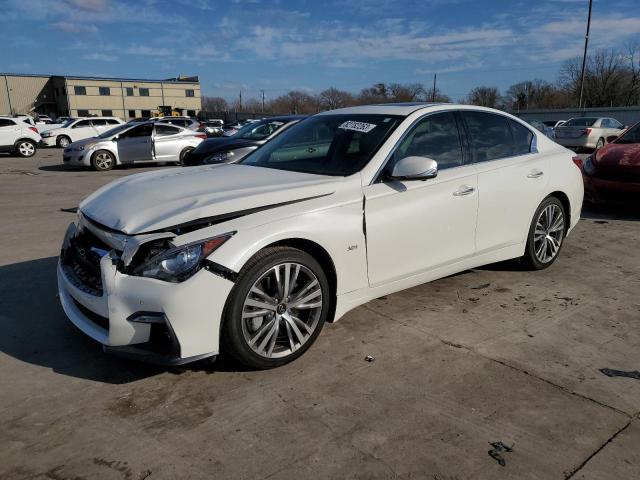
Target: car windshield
<point>114,130</point>
<point>337,145</point>
<point>631,136</point>
<point>258,130</point>
<point>67,123</point>
<point>580,122</point>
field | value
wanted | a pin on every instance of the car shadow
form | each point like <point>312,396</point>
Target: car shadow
<point>610,212</point>
<point>34,329</point>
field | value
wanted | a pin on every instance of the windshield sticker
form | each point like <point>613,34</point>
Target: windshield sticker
<point>357,126</point>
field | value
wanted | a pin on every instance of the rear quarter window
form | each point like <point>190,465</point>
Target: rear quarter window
<point>522,138</point>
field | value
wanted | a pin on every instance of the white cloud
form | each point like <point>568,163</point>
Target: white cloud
<point>74,27</point>
<point>100,57</point>
<point>149,51</point>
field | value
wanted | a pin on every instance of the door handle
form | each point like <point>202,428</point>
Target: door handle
<point>535,174</point>
<point>464,190</point>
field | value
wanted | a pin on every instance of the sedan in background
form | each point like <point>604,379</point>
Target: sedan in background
<point>612,173</point>
<point>342,208</point>
<point>78,129</point>
<point>235,148</point>
<point>149,142</point>
<point>587,132</point>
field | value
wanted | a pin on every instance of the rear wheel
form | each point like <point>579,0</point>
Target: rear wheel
<point>63,141</point>
<point>103,161</point>
<point>25,148</point>
<point>276,309</point>
<point>183,155</point>
<point>545,234</point>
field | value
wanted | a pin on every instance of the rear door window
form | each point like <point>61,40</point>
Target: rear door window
<point>490,136</point>
<point>83,124</point>
<point>164,130</point>
<point>522,138</point>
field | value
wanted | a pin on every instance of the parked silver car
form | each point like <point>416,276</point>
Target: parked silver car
<point>133,143</point>
<point>587,132</point>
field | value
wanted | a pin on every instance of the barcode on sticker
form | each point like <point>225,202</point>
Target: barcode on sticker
<point>357,126</point>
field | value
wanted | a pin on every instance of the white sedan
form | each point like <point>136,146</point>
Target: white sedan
<point>344,207</point>
<point>129,143</point>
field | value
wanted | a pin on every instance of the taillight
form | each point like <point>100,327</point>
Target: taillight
<point>33,129</point>
<point>578,161</point>
<point>201,135</point>
<point>586,131</point>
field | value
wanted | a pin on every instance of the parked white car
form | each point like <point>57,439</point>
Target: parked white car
<point>343,207</point>
<point>18,137</point>
<point>78,129</point>
<point>133,143</point>
<point>587,132</point>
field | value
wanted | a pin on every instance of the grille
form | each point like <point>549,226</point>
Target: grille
<point>99,320</point>
<point>81,262</point>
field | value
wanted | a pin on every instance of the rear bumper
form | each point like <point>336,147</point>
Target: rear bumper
<point>578,142</point>
<point>186,316</point>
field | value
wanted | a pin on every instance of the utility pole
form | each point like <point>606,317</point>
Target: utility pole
<point>240,101</point>
<point>584,57</point>
<point>433,94</point>
<point>262,91</point>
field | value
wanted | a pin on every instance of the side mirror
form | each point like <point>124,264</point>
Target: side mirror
<point>115,139</point>
<point>611,138</point>
<point>414,168</point>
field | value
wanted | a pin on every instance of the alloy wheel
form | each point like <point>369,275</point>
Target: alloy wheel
<point>281,311</point>
<point>63,142</point>
<point>103,161</point>
<point>26,149</point>
<point>548,233</point>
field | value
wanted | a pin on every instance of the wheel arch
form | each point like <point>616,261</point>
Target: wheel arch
<point>22,139</point>
<point>322,256</point>
<point>566,203</point>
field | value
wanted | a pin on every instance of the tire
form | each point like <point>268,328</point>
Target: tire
<point>183,155</point>
<point>25,148</point>
<point>103,161</point>
<point>265,330</point>
<point>600,143</point>
<point>546,234</point>
<point>63,141</point>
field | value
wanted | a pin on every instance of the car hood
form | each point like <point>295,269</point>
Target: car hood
<point>619,155</point>
<point>164,199</point>
<point>213,145</point>
<point>86,141</point>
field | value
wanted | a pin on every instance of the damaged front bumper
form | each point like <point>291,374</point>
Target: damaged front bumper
<point>137,317</point>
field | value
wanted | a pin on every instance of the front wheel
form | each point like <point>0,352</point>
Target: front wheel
<point>276,309</point>
<point>103,161</point>
<point>545,234</point>
<point>25,148</point>
<point>63,141</point>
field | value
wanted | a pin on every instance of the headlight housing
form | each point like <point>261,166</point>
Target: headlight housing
<point>46,134</point>
<point>588,166</point>
<point>220,157</point>
<point>176,264</point>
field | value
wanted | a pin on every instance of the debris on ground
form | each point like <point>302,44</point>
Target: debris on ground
<point>609,372</point>
<point>495,452</point>
<point>69,210</point>
<point>481,287</point>
<point>369,359</point>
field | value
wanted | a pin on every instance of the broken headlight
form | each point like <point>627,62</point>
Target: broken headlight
<point>179,263</point>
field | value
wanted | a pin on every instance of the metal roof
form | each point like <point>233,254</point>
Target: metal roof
<point>193,79</point>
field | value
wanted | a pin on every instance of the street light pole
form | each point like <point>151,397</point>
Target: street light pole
<point>584,56</point>
<point>433,94</point>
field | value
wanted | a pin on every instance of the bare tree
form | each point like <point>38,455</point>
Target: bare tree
<point>333,98</point>
<point>214,104</point>
<point>484,96</point>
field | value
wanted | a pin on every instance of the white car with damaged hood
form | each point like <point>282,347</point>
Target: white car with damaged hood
<point>344,207</point>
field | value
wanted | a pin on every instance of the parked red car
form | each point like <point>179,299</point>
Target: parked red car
<point>612,173</point>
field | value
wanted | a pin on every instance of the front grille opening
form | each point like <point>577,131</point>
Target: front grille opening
<point>99,320</point>
<point>81,260</point>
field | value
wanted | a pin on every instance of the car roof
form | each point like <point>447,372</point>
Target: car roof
<point>403,109</point>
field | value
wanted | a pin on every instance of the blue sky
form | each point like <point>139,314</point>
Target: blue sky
<point>279,45</point>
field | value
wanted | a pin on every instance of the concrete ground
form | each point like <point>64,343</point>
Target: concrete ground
<point>492,354</point>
